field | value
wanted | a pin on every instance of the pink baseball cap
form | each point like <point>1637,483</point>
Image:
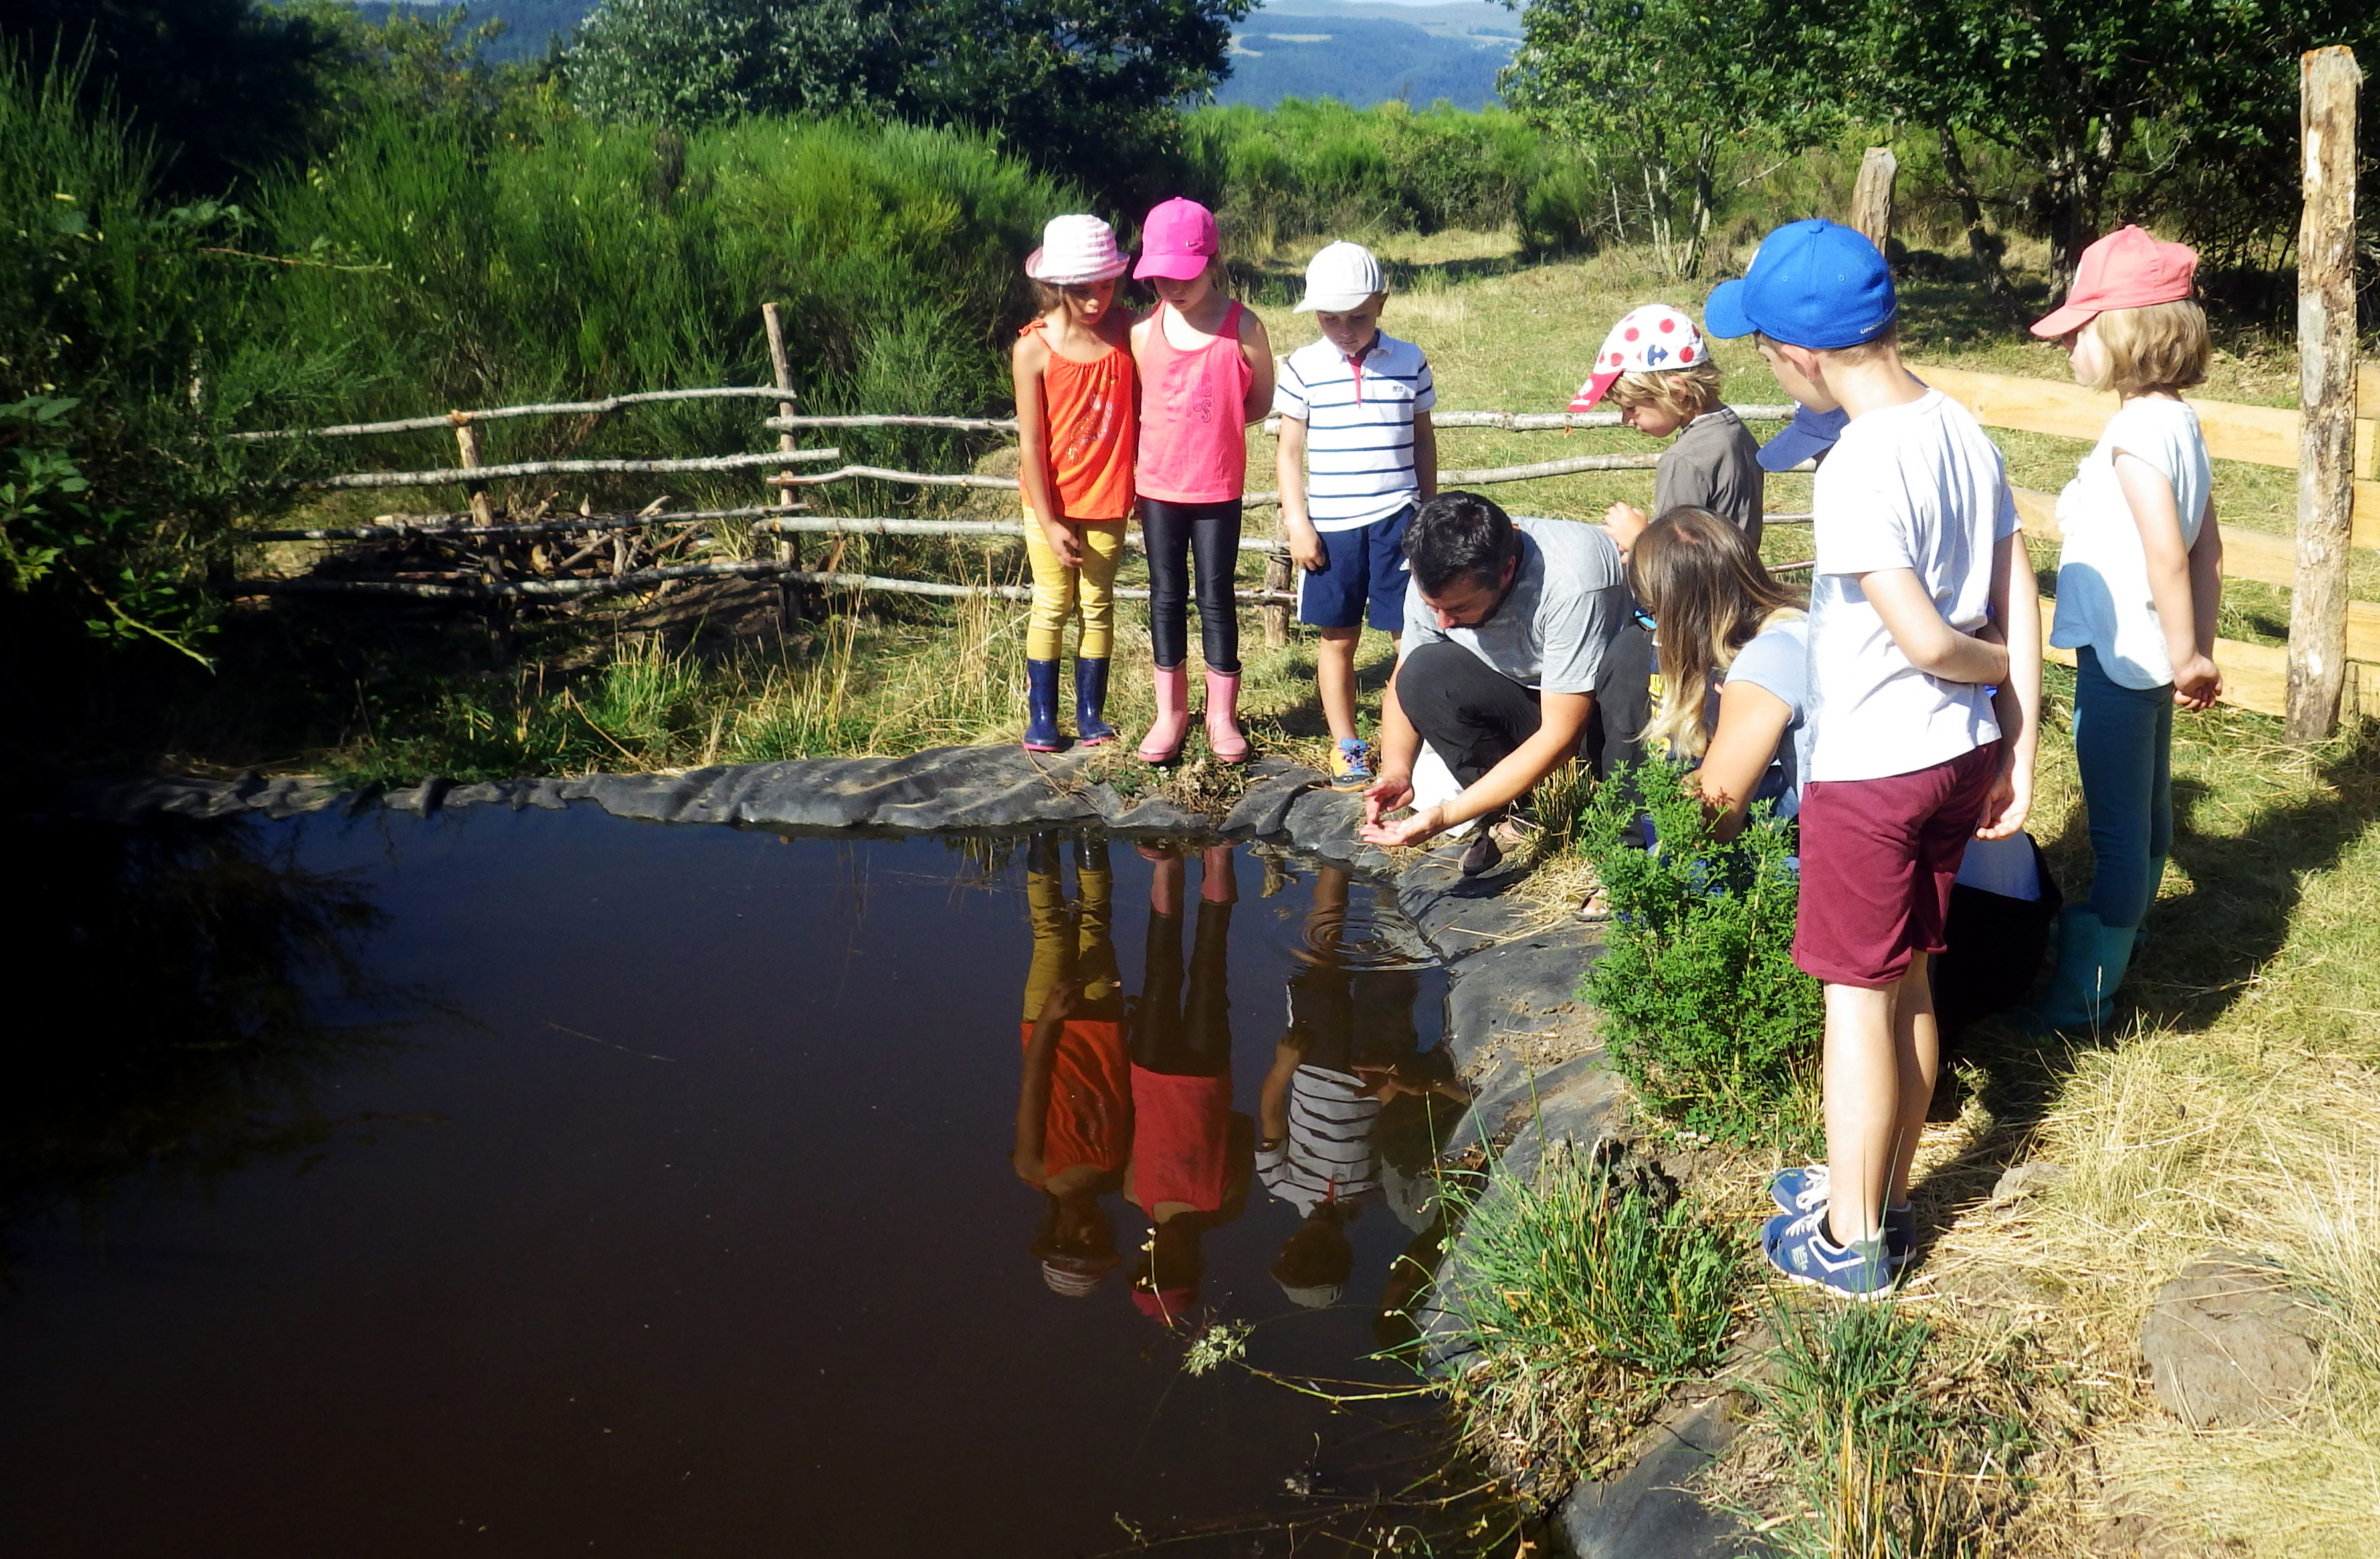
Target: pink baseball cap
<point>2128,268</point>
<point>1176,242</point>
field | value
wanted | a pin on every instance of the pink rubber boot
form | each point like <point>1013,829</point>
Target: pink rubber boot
<point>1223,733</point>
<point>1164,743</point>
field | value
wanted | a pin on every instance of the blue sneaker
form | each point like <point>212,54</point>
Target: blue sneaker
<point>1801,1189</point>
<point>1797,1245</point>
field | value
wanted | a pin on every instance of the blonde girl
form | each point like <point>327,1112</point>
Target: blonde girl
<point>1206,374</point>
<point>1076,430</point>
<point>2139,578</point>
<point>1735,655</point>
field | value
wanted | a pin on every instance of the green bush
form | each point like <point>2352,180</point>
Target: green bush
<point>1703,1010</point>
<point>1303,169</point>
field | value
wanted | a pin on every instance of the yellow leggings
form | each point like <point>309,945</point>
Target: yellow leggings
<point>1070,940</point>
<point>1056,589</point>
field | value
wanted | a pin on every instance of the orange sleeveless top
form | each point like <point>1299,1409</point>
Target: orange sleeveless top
<point>1094,415</point>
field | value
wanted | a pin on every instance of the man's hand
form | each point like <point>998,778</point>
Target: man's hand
<point>1305,547</point>
<point>2010,799</point>
<point>1385,794</point>
<point>1624,523</point>
<point>1421,826</point>
<point>1063,541</point>
<point>2197,683</point>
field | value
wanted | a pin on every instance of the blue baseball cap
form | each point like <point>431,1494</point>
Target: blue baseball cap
<point>1808,436</point>
<point>1815,284</point>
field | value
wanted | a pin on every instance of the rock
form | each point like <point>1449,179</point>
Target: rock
<point>2019,1181</point>
<point>2228,1344</point>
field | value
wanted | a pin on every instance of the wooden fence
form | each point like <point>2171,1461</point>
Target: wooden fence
<point>2255,677</point>
<point>489,578</point>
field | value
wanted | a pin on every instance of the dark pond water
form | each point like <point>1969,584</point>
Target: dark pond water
<point>539,1183</point>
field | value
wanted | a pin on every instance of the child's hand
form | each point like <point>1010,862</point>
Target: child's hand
<point>1064,1000</point>
<point>2010,799</point>
<point>2197,683</point>
<point>1624,523</point>
<point>1305,549</point>
<point>1063,541</point>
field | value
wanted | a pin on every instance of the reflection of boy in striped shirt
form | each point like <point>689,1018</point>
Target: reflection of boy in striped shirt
<point>1357,453</point>
<point>1350,1048</point>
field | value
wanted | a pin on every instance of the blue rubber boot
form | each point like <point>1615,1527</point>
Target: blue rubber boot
<point>1041,707</point>
<point>1092,726</point>
<point>2091,961</point>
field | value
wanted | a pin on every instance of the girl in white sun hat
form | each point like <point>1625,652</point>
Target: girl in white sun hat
<point>1077,425</point>
<point>1658,373</point>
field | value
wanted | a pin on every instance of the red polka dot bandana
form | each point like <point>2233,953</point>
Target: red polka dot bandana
<point>1655,338</point>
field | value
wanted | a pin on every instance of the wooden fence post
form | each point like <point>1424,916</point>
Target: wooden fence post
<point>1279,576</point>
<point>788,553</point>
<point>467,440</point>
<point>2327,85</point>
<point>1871,196</point>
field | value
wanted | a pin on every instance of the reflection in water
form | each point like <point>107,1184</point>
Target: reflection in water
<point>1191,1153</point>
<point>1349,1080</point>
<point>197,957</point>
<point>1073,1115</point>
<point>1136,1094</point>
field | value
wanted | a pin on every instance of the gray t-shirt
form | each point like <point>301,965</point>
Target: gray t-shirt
<point>1714,464</point>
<point>1778,660</point>
<point>1569,626</point>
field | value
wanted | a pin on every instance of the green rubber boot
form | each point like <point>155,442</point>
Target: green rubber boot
<point>2091,961</point>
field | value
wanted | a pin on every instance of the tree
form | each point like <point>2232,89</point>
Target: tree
<point>2073,87</point>
<point>1668,84</point>
<point>1086,87</point>
<point>224,87</point>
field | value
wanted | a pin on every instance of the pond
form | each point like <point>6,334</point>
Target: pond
<point>532,1183</point>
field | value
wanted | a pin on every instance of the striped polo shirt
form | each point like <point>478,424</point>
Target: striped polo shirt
<point>1359,434</point>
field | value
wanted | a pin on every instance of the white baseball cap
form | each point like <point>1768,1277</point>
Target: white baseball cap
<point>1075,251</point>
<point>1343,277</point>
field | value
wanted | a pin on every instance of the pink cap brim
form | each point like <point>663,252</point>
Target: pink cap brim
<point>1593,391</point>
<point>2059,322</point>
<point>1172,267</point>
<point>1167,1306</point>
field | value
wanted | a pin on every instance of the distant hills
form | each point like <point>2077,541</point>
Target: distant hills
<point>1364,51</point>
<point>1361,52</point>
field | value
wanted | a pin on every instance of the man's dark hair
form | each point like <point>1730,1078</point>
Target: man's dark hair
<point>1460,536</point>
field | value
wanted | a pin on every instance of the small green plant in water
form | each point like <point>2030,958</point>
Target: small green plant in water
<point>1703,1010</point>
<point>1222,1343</point>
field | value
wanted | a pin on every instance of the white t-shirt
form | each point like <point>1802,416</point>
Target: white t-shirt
<point>1913,486</point>
<point>1778,660</point>
<point>2103,574</point>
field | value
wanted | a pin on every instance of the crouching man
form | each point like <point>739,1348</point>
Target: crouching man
<point>1521,651</point>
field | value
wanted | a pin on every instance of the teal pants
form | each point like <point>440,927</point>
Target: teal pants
<point>2123,744</point>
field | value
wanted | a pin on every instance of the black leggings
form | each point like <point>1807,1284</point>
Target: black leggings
<point>1173,532</point>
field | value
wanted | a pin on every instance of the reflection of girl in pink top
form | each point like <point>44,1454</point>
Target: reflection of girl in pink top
<point>1206,374</point>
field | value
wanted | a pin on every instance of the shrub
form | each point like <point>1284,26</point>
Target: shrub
<point>1704,1011</point>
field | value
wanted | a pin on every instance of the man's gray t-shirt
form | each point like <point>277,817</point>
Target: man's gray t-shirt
<point>1714,464</point>
<point>1569,626</point>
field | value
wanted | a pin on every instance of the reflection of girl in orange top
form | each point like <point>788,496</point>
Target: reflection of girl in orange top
<point>1077,426</point>
<point>1074,1112</point>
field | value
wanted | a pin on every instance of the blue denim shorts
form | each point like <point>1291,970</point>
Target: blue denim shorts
<point>1360,566</point>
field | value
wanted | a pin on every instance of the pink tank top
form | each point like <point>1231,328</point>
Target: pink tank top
<point>1193,437</point>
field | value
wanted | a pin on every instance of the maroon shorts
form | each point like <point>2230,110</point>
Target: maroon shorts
<point>1877,859</point>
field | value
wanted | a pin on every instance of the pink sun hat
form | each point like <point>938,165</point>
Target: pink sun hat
<point>1650,339</point>
<point>1075,251</point>
<point>1177,241</point>
<point>2128,268</point>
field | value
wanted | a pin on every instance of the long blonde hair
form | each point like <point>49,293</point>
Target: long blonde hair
<point>1710,595</point>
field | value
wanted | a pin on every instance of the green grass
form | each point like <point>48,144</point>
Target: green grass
<point>1587,1298</point>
